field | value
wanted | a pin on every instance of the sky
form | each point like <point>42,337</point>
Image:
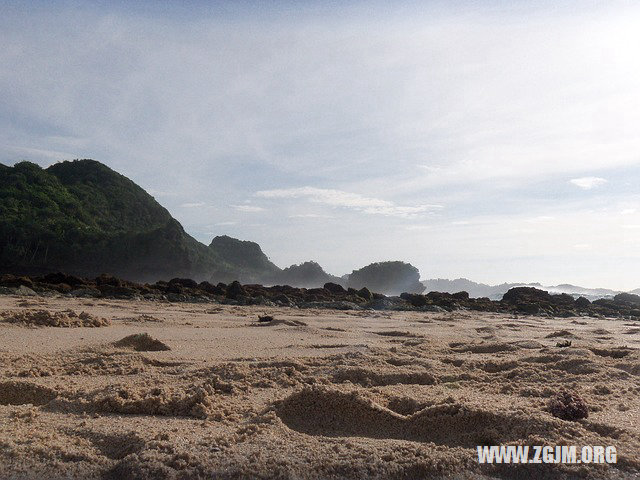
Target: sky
<point>496,141</point>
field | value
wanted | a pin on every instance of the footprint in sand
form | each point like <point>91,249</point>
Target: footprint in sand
<point>323,412</point>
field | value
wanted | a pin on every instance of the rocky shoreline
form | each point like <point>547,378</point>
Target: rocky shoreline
<point>519,300</point>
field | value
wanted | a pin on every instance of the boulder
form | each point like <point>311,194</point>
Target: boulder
<point>414,299</point>
<point>184,282</point>
<point>334,288</point>
<point>25,291</point>
<point>108,280</point>
<point>235,290</point>
<point>11,281</point>
<point>627,299</point>
<point>57,278</point>
<point>365,293</point>
<point>461,295</point>
<point>212,289</point>
<point>526,295</point>
<point>582,303</point>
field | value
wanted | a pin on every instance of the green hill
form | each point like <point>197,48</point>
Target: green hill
<point>81,217</point>
<point>246,259</point>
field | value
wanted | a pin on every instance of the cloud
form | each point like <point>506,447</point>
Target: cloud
<point>587,183</point>
<point>225,224</point>
<point>248,208</point>
<point>541,219</point>
<point>310,215</point>
<point>418,228</point>
<point>193,205</point>
<point>354,201</point>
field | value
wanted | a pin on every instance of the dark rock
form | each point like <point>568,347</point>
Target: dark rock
<point>334,288</point>
<point>415,299</point>
<point>57,278</point>
<point>460,295</point>
<point>25,291</point>
<point>528,308</point>
<point>627,298</point>
<point>109,280</point>
<point>365,293</point>
<point>382,304</point>
<point>117,292</point>
<point>444,300</point>
<point>184,282</point>
<point>12,281</point>
<point>212,289</point>
<point>175,288</point>
<point>582,302</point>
<point>339,305</point>
<point>526,295</point>
<point>563,299</point>
<point>235,290</point>
<point>62,288</point>
<point>177,297</point>
<point>85,292</point>
<point>282,299</point>
<point>568,406</point>
<point>319,292</point>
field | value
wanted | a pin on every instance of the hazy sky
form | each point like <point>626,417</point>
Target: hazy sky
<point>499,141</point>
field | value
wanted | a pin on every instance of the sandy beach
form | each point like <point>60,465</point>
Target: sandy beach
<point>310,394</point>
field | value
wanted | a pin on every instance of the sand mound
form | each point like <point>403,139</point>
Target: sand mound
<point>319,411</point>
<point>405,405</point>
<point>197,401</point>
<point>142,342</point>
<point>611,352</point>
<point>561,333</point>
<point>21,393</point>
<point>114,447</point>
<point>378,378</point>
<point>483,347</point>
<point>44,318</point>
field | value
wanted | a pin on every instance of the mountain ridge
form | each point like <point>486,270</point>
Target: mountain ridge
<point>83,218</point>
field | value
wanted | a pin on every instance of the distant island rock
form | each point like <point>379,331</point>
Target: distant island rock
<point>307,274</point>
<point>495,292</point>
<point>387,277</point>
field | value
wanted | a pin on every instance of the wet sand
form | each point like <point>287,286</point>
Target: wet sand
<point>312,394</point>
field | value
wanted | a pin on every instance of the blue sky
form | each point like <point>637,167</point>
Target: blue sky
<point>492,140</point>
